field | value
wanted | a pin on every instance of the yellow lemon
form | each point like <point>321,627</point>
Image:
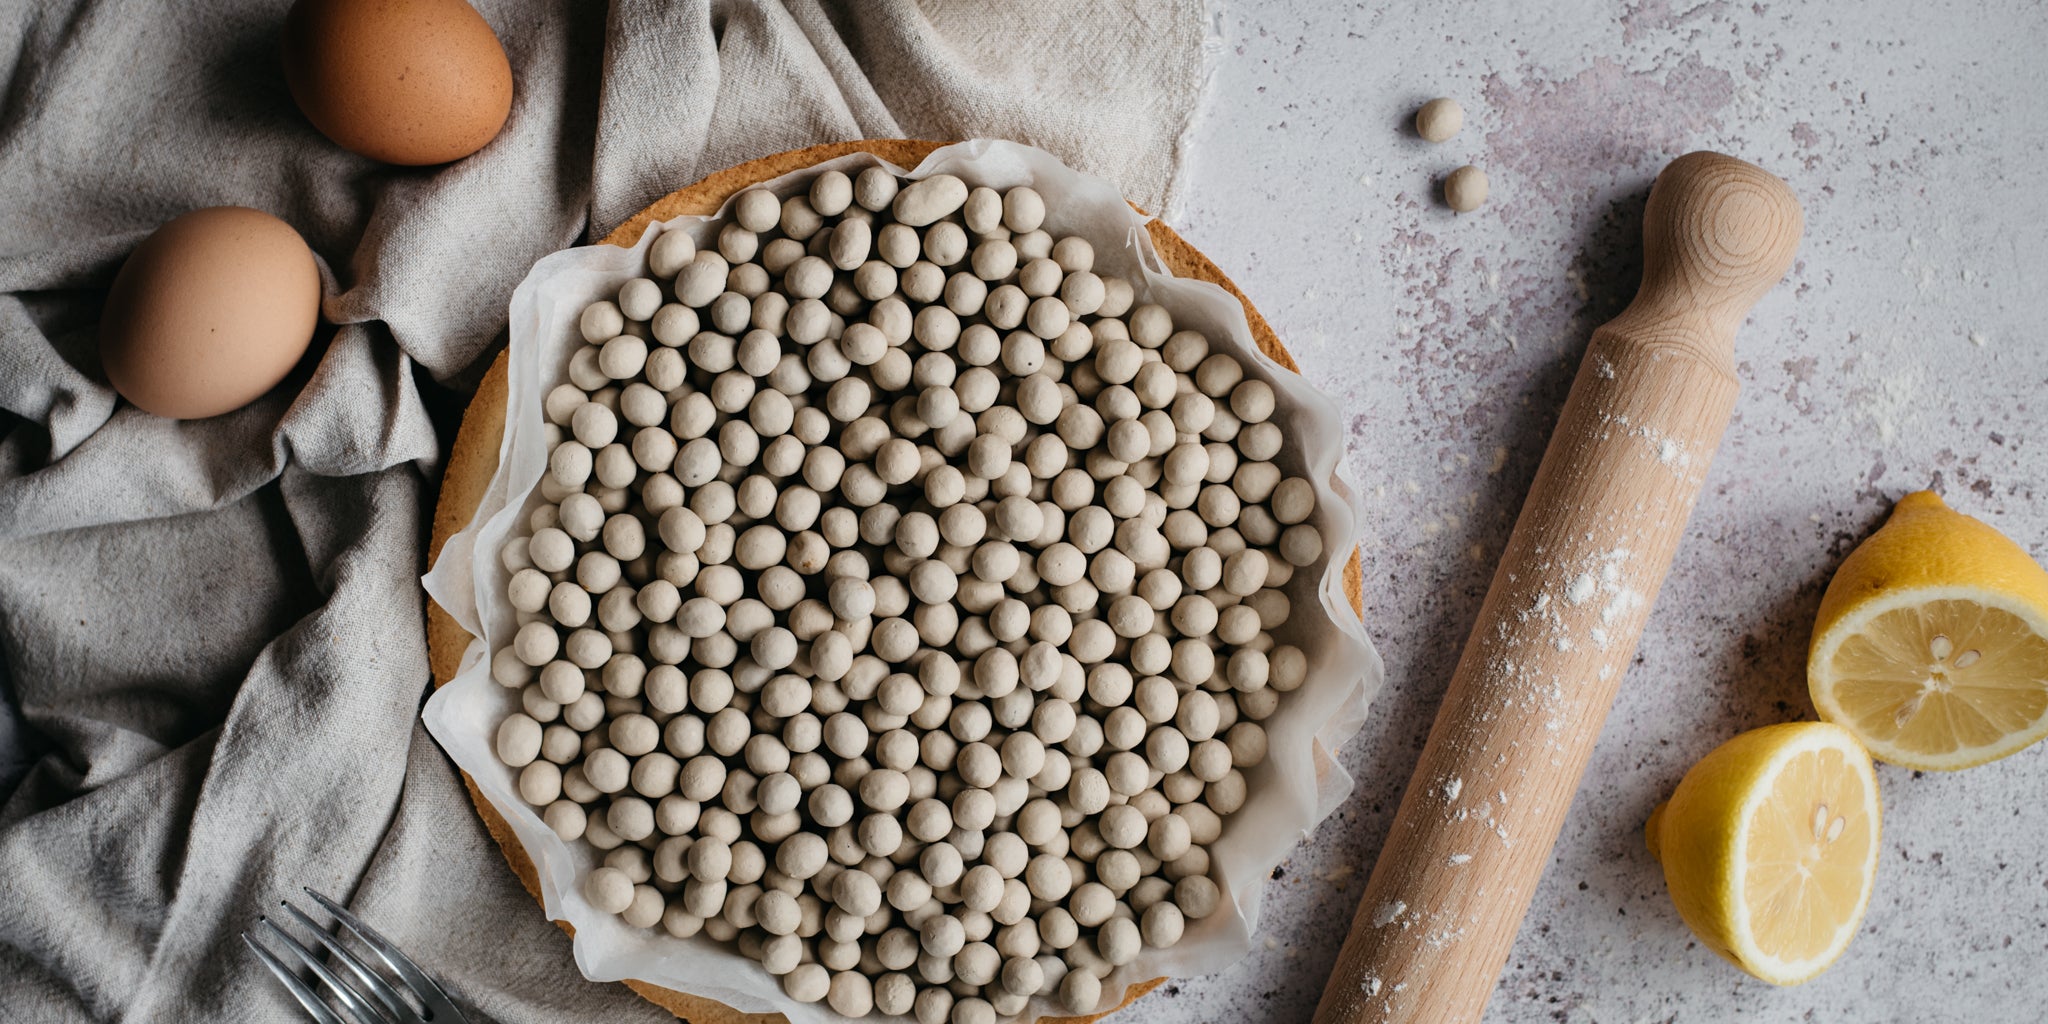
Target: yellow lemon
<point>1932,641</point>
<point>1769,846</point>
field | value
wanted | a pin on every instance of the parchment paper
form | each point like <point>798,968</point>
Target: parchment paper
<point>1299,784</point>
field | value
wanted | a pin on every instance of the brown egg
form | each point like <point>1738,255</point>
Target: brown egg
<point>209,313</point>
<point>403,81</point>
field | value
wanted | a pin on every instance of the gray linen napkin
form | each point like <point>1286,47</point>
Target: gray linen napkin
<point>213,630</point>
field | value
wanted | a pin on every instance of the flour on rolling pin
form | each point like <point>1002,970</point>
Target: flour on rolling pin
<point>1561,619</point>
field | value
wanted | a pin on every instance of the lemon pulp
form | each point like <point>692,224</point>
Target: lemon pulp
<point>1940,682</point>
<point>1808,860</point>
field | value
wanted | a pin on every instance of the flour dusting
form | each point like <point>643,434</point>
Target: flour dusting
<point>1387,913</point>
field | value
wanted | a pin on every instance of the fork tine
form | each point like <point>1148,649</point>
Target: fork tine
<point>438,1005</point>
<point>393,1004</point>
<point>299,989</point>
<point>357,1008</point>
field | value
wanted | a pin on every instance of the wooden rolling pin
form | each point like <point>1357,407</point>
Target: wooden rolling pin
<point>1566,608</point>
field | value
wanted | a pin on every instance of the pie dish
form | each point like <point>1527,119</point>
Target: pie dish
<point>473,463</point>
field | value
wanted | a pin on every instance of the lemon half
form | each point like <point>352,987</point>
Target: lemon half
<point>1932,641</point>
<point>1769,847</point>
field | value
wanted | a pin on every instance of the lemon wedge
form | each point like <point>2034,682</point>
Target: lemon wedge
<point>1769,846</point>
<point>1932,641</point>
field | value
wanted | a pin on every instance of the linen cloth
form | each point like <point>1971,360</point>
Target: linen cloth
<point>212,631</point>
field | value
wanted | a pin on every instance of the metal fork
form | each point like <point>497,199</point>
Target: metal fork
<point>389,1007</point>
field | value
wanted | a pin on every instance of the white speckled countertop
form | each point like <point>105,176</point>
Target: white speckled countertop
<point>1904,351</point>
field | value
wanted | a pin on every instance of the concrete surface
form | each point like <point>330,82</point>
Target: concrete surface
<point>1903,352</point>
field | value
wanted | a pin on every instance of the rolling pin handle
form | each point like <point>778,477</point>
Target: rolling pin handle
<point>1718,233</point>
